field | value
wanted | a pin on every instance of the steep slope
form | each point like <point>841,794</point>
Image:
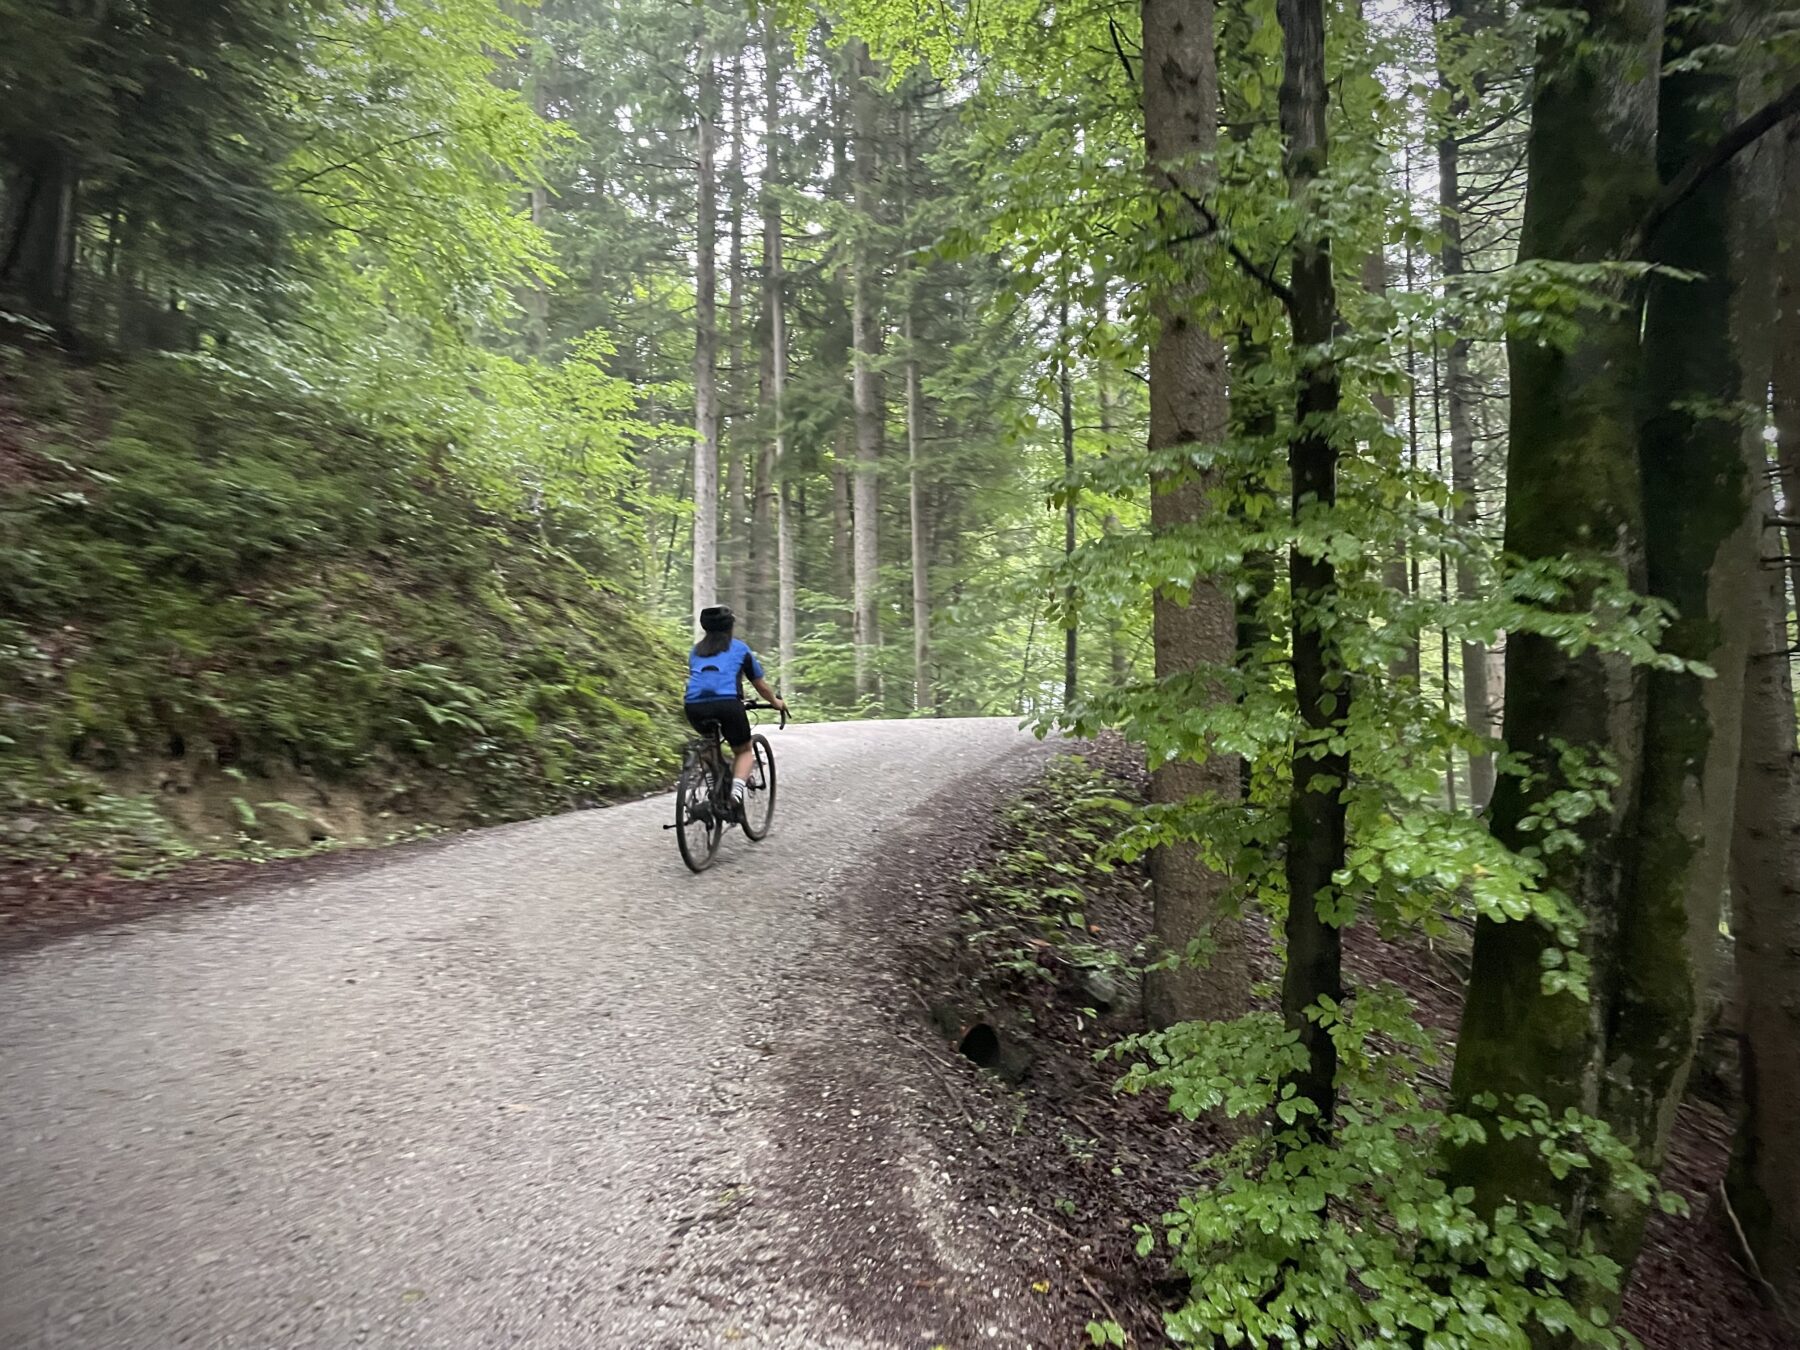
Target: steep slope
<point>230,616</point>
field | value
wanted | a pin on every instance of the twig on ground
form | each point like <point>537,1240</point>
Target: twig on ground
<point>949,1092</point>
<point>1084,1122</point>
<point>1751,1267</point>
<point>1063,1233</point>
<point>1105,1307</point>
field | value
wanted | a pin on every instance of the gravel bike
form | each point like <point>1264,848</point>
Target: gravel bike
<point>703,805</point>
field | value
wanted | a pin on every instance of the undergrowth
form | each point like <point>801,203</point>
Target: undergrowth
<point>199,568</point>
<point>1282,1239</point>
<point>1051,909</point>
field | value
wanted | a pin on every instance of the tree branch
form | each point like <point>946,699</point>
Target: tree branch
<point>1112,27</point>
<point>1704,165</point>
<point>1262,275</point>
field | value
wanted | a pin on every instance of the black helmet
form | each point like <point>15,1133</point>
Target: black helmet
<point>717,619</point>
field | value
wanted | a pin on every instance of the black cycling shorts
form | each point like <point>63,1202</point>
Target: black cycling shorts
<point>729,713</point>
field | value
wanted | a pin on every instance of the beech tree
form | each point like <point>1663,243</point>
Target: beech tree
<point>1194,624</point>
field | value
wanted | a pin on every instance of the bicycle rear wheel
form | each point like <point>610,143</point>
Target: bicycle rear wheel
<point>759,795</point>
<point>697,824</point>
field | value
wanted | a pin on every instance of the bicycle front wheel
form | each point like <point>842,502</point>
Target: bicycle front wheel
<point>759,794</point>
<point>697,825</point>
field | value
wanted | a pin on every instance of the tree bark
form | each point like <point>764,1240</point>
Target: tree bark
<point>1118,655</point>
<point>1254,417</point>
<point>865,322</point>
<point>1322,688</point>
<point>1787,351</point>
<point>38,263</point>
<point>1764,1179</point>
<point>1478,712</point>
<point>1573,491</point>
<point>1187,407</point>
<point>1763,1185</point>
<point>706,341</point>
<point>535,300</point>
<point>1395,574</point>
<point>841,525</point>
<point>1700,556</point>
<point>1066,398</point>
<point>917,511</point>
<point>742,451</point>
<point>770,479</point>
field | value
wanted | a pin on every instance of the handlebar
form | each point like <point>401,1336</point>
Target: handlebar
<point>752,705</point>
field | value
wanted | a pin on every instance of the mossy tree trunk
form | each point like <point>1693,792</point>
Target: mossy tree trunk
<point>1573,491</point>
<point>1700,556</point>
<point>1667,494</point>
<point>1187,407</point>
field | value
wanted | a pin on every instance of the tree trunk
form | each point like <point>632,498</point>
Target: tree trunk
<point>1254,417</point>
<point>1787,352</point>
<point>837,347</point>
<point>1066,390</point>
<point>1477,701</point>
<point>1394,572</point>
<point>917,510</point>
<point>841,526</point>
<point>1118,654</point>
<point>771,474</point>
<point>1187,407</point>
<point>865,323</point>
<point>535,299</point>
<point>706,343</point>
<point>742,451</point>
<point>40,240</point>
<point>1764,1181</point>
<point>1700,556</point>
<point>1321,682</point>
<point>1573,491</point>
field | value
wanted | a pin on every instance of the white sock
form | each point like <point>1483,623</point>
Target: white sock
<point>737,789</point>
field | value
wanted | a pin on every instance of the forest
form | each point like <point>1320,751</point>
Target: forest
<point>1385,417</point>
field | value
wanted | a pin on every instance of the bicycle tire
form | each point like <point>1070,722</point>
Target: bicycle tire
<point>695,790</point>
<point>757,806</point>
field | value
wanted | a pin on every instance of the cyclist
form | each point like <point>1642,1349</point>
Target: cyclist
<point>717,668</point>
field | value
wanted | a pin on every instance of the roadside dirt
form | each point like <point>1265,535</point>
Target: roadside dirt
<point>41,901</point>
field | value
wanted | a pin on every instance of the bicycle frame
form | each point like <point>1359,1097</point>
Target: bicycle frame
<point>708,754</point>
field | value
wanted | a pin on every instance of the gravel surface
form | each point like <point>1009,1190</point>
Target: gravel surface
<point>537,1087</point>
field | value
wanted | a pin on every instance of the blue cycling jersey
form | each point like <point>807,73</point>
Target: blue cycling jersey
<point>719,676</point>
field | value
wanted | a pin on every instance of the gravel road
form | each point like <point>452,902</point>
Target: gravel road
<point>538,1086</point>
